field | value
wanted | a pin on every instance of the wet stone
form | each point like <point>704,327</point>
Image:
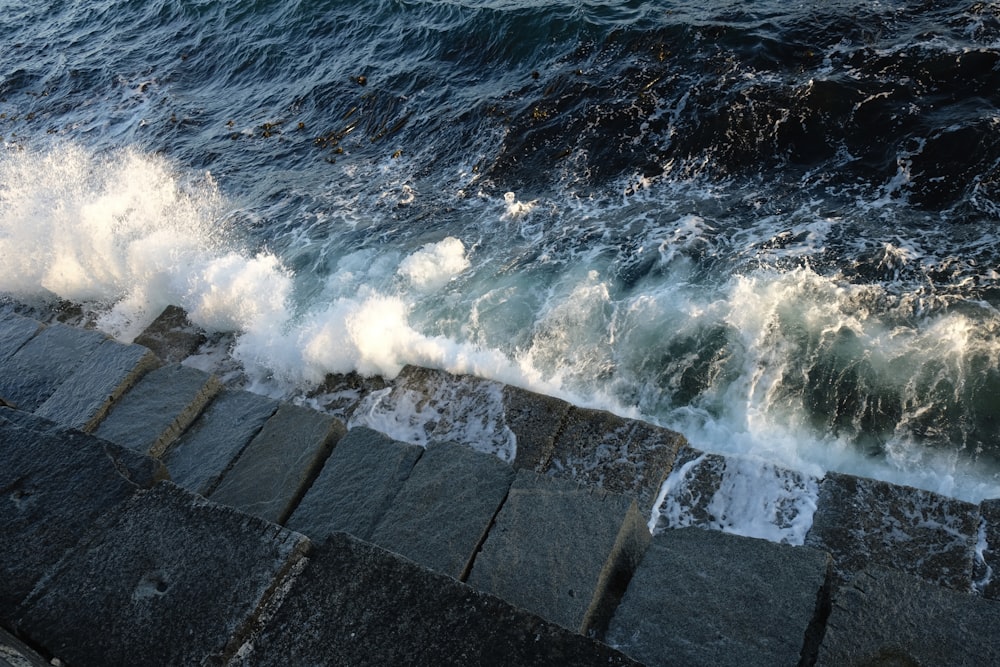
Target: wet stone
<point>535,420</point>
<point>987,576</point>
<point>36,370</point>
<point>274,471</point>
<point>561,550</point>
<point>54,483</point>
<point>341,393</point>
<point>701,597</point>
<point>15,331</point>
<point>440,516</point>
<point>15,653</point>
<point>621,455</point>
<point>864,522</point>
<point>199,457</point>
<point>158,408</point>
<point>171,336</point>
<point>357,604</point>
<point>356,486</point>
<point>741,495</point>
<point>98,381</point>
<point>169,578</point>
<point>887,617</point>
<point>425,405</point>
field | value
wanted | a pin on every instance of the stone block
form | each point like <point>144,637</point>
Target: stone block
<point>535,420</point>
<point>425,405</point>
<point>356,604</point>
<point>441,515</point>
<point>864,522</point>
<point>621,455</point>
<point>561,550</point>
<point>198,459</point>
<point>158,408</point>
<point>98,381</point>
<point>356,486</point>
<point>169,579</point>
<point>171,336</point>
<point>15,331</point>
<point>37,369</point>
<point>278,466</point>
<point>741,495</point>
<point>341,393</point>
<point>53,485</point>
<point>15,653</point>
<point>701,597</point>
<point>886,617</point>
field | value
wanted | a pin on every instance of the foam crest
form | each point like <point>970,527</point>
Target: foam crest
<point>435,264</point>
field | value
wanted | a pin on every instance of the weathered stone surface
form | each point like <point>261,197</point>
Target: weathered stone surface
<point>15,331</point>
<point>701,597</point>
<point>987,563</point>
<point>169,578</point>
<point>280,463</point>
<point>621,455</point>
<point>199,457</point>
<point>341,393</point>
<point>562,551</point>
<point>158,408</point>
<point>440,516</point>
<point>15,653</point>
<point>864,522</point>
<point>356,486</point>
<point>738,494</point>
<point>37,369</point>
<point>886,617</point>
<point>53,485</point>
<point>356,604</point>
<point>425,405</point>
<point>535,420</point>
<point>98,381</point>
<point>171,336</point>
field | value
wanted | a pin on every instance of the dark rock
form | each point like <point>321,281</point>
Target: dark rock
<point>441,515</point>
<point>740,495</point>
<point>356,486</point>
<point>535,420</point>
<point>167,579</point>
<point>987,578</point>
<point>340,393</point>
<point>171,336</point>
<point>562,551</point>
<point>356,604</point>
<point>864,522</point>
<point>53,485</point>
<point>621,455</point>
<point>15,653</point>
<point>701,597</point>
<point>199,457</point>
<point>98,381</point>
<point>886,617</point>
<point>158,408</point>
<point>278,466</point>
<point>37,369</point>
<point>15,331</point>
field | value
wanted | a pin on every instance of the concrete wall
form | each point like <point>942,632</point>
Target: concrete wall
<point>153,516</point>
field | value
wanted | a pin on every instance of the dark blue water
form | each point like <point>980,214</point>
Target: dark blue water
<point>770,226</point>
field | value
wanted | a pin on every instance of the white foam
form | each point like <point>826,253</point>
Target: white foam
<point>434,265</point>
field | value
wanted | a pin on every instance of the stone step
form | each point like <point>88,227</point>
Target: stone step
<point>55,483</point>
<point>33,373</point>
<point>200,457</point>
<point>443,510</point>
<point>15,653</point>
<point>357,604</point>
<point>356,487</point>
<point>562,550</point>
<point>703,597</point>
<point>85,397</point>
<point>158,408</point>
<point>15,331</point>
<point>166,578</point>
<point>279,465</point>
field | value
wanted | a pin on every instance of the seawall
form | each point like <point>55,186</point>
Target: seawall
<point>153,515</point>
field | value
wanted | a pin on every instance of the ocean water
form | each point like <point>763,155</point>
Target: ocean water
<point>772,226</point>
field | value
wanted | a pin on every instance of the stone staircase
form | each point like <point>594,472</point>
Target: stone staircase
<point>154,516</point>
